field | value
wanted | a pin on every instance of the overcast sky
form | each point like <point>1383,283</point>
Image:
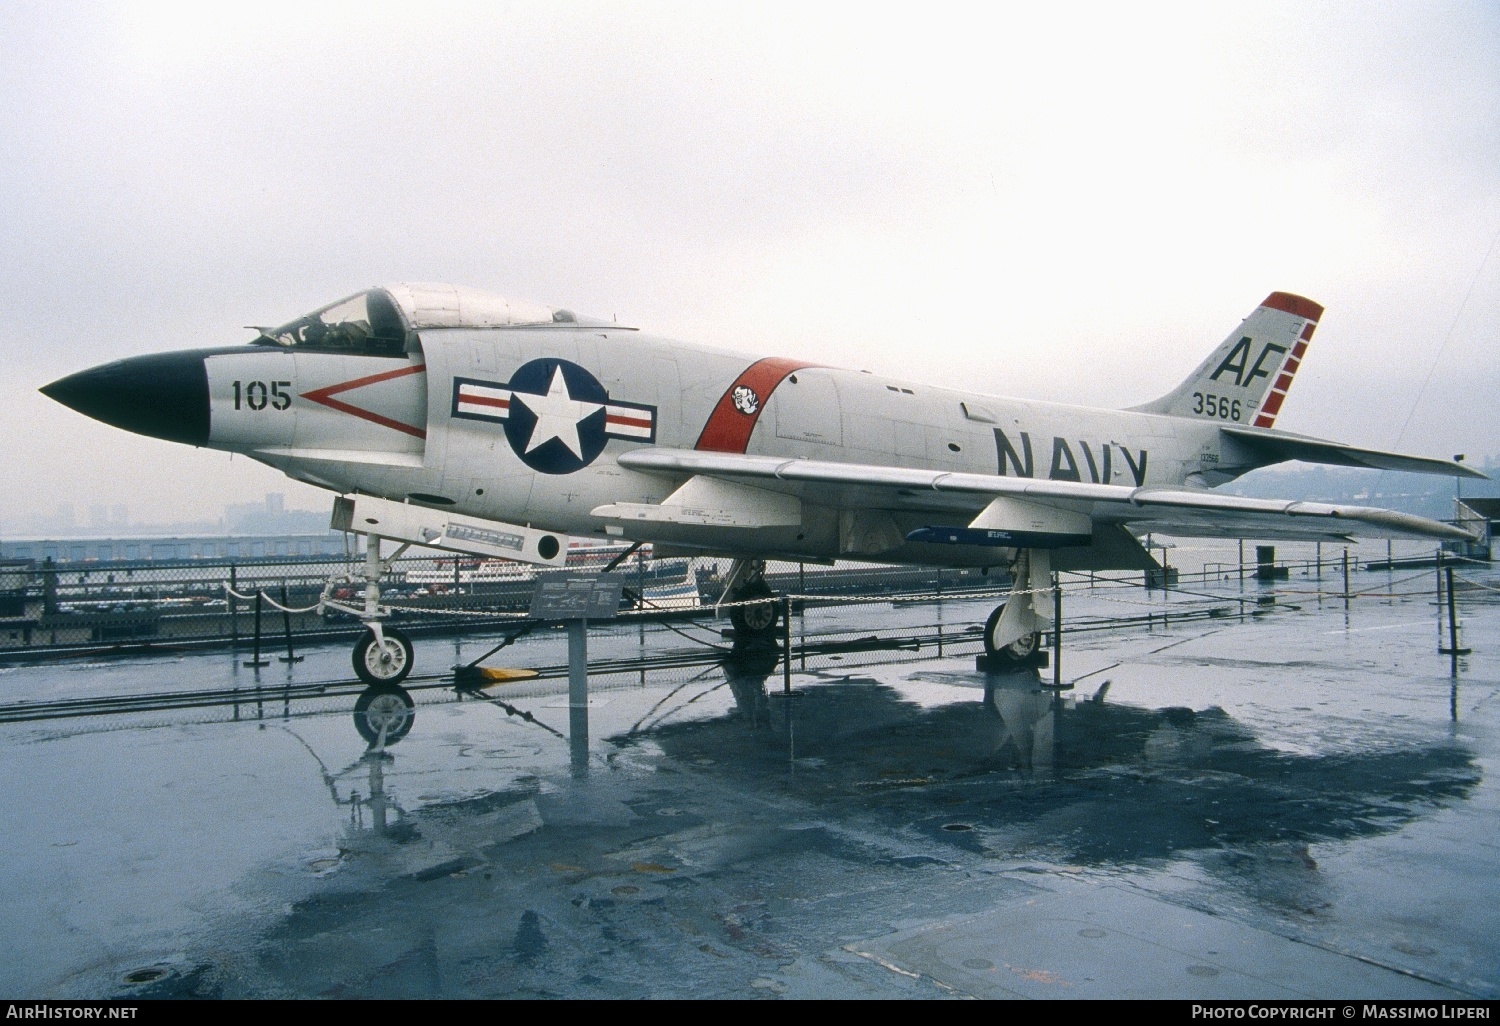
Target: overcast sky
<point>1062,202</point>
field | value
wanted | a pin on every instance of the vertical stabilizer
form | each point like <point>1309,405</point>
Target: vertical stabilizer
<point>1246,379</point>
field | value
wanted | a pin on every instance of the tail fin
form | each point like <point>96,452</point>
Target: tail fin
<point>1245,380</point>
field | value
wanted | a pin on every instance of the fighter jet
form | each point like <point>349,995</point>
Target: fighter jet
<point>455,419</point>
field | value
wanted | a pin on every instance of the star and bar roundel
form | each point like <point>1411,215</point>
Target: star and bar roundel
<point>557,416</point>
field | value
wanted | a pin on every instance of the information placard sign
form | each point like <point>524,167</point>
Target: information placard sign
<point>576,596</point>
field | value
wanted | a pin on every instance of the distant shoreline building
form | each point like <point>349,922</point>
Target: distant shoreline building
<point>252,530</point>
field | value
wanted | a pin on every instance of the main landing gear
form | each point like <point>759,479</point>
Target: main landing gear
<point>1012,634</point>
<point>755,621</point>
<point>1019,652</point>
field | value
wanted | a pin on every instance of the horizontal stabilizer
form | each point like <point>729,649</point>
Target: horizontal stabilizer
<point>1278,446</point>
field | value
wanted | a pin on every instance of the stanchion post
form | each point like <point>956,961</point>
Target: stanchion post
<point>940,610</point>
<point>234,610</point>
<point>256,661</point>
<point>1346,578</point>
<point>1439,577</point>
<point>1452,615</point>
<point>578,696</point>
<point>1056,631</point>
<point>786,644</point>
<point>286,624</point>
<point>1453,648</point>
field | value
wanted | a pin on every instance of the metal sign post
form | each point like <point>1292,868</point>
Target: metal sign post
<point>578,695</point>
<point>575,599</point>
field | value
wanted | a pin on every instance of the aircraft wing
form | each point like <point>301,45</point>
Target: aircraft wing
<point>1274,446</point>
<point>1029,509</point>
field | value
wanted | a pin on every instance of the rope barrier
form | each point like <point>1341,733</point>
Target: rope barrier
<point>265,597</point>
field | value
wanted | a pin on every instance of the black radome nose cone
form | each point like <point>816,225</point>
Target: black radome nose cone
<point>164,395</point>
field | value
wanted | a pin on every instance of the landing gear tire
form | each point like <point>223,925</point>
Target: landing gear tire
<point>1017,652</point>
<point>383,664</point>
<point>755,622</point>
<point>384,709</point>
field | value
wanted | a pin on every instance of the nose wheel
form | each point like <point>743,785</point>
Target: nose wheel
<point>383,656</point>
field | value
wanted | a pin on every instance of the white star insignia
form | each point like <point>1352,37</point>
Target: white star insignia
<point>558,415</point>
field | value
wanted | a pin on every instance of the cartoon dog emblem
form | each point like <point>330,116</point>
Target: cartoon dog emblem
<point>745,400</point>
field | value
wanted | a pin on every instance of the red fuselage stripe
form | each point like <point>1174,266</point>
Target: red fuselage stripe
<point>728,429</point>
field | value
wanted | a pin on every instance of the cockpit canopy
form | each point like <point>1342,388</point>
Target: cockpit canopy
<point>385,321</point>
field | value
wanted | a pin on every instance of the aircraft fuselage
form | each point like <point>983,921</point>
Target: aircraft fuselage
<point>468,424</point>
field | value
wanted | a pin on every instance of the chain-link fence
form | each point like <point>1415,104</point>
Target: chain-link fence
<point>49,608</point>
<point>52,608</point>
<point>831,620</point>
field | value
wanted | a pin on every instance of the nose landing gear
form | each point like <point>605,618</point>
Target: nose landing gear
<point>384,656</point>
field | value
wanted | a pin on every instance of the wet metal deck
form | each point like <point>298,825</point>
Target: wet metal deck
<point>1288,805</point>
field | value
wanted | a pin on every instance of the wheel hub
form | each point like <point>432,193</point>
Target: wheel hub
<point>388,658</point>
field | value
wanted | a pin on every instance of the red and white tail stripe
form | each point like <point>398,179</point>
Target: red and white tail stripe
<point>1245,379</point>
<point>1271,404</point>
